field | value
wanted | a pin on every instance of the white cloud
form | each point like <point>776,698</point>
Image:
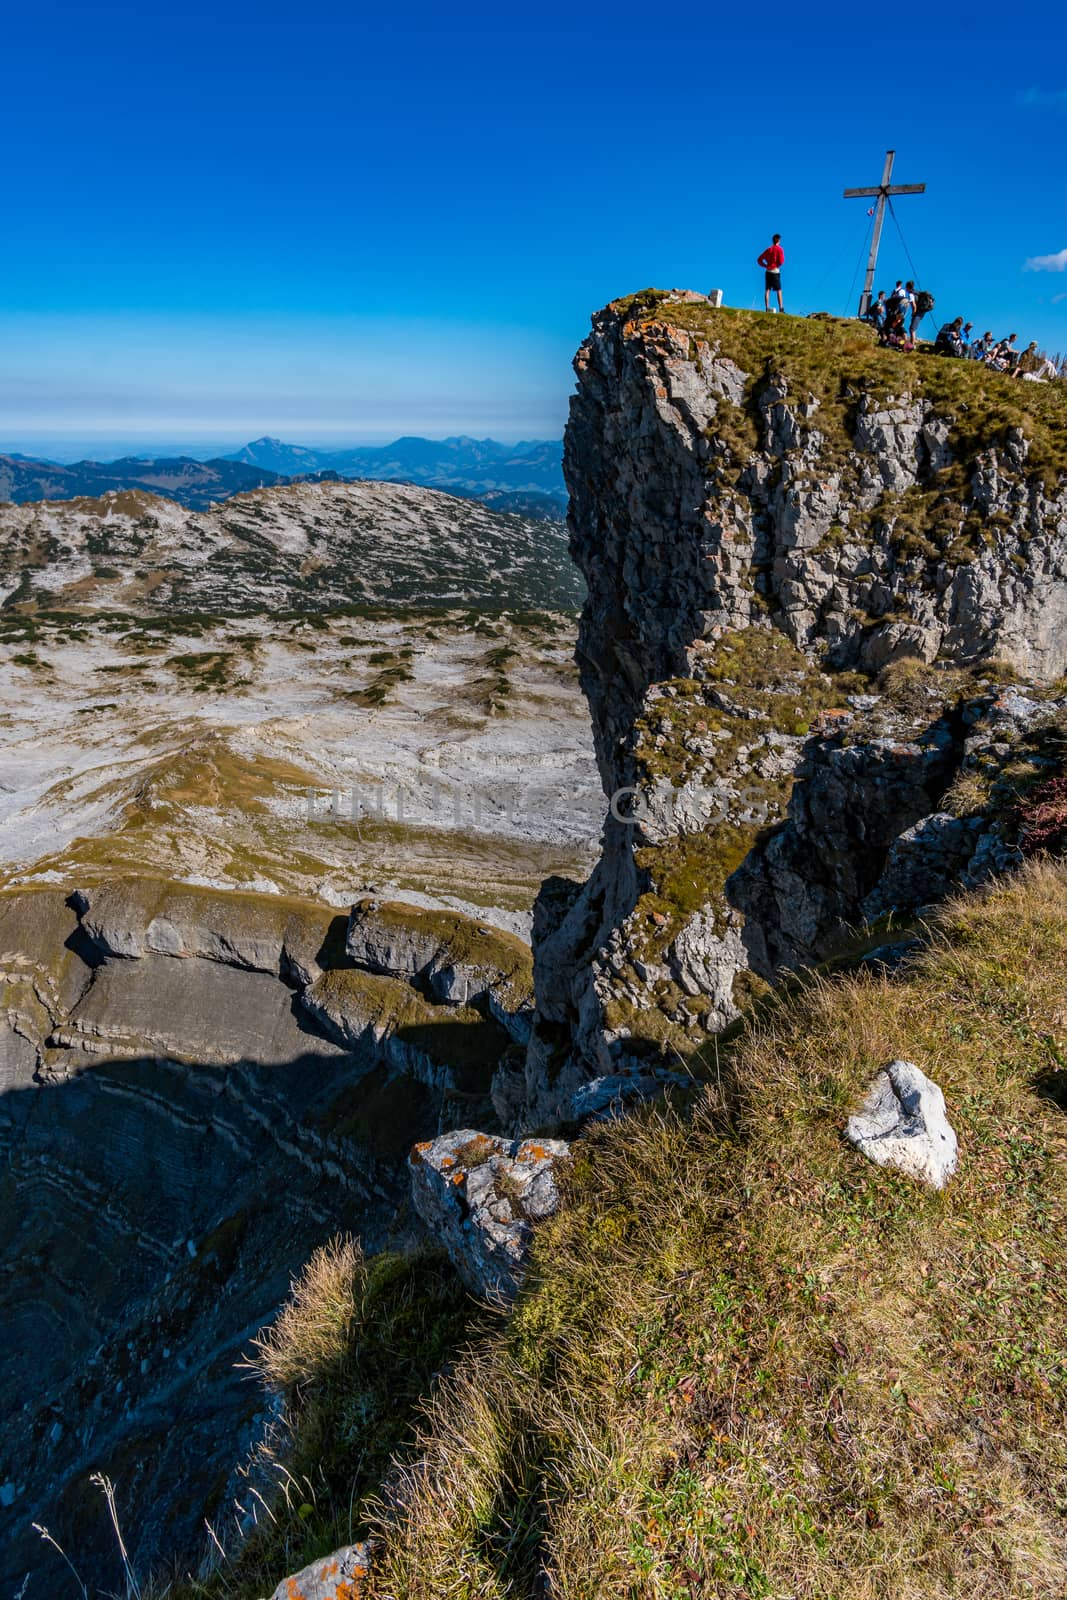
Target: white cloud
<point>1042,99</point>
<point>1056,298</point>
<point>1054,263</point>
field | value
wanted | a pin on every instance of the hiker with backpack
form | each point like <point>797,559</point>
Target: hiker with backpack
<point>949,341</point>
<point>899,306</point>
<point>1004,355</point>
<point>894,330</point>
<point>899,300</point>
<point>922,302</point>
<point>876,311</point>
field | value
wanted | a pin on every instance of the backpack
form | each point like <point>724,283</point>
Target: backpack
<point>924,302</point>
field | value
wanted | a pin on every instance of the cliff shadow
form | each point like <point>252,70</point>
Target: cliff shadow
<point>157,1211</point>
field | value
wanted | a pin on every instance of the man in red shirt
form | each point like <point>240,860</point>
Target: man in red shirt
<point>771,261</point>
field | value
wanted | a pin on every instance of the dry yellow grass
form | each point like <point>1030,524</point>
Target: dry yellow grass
<point>748,1362</point>
<point>310,1333</point>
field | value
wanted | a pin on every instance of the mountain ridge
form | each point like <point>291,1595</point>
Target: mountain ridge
<point>305,545</point>
<point>456,462</point>
<point>192,483</point>
<point>525,478</point>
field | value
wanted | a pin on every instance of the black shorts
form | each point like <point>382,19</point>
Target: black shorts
<point>773,280</point>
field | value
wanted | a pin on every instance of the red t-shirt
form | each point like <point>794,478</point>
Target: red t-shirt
<point>772,258</point>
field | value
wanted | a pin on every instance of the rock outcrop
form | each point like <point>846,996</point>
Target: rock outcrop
<point>454,960</point>
<point>264,933</point>
<point>312,547</point>
<point>813,570</point>
<point>480,1196</point>
<point>339,1576</point>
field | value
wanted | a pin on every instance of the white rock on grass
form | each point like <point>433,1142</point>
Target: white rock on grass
<point>903,1124</point>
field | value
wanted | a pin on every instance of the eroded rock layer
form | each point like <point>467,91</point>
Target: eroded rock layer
<point>198,1090</point>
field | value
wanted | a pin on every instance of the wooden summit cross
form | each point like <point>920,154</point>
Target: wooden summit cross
<point>883,191</point>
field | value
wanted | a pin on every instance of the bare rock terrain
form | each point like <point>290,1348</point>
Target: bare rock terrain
<point>823,644</point>
<point>219,730</point>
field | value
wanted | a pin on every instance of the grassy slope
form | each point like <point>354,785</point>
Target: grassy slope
<point>750,1363</point>
<point>354,1348</point>
<point>747,1362</point>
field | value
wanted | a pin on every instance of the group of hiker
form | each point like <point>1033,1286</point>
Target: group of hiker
<point>897,317</point>
<point>958,339</point>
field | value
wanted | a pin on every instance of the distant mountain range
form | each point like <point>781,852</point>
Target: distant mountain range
<point>526,478</point>
<point>476,465</point>
<point>196,484</point>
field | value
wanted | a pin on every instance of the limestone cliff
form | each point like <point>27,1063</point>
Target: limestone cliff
<point>813,569</point>
<point>197,1089</point>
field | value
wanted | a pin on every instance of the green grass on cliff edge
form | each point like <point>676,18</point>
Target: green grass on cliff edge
<point>836,360</point>
<point>747,1362</point>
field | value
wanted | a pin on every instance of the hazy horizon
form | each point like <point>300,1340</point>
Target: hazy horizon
<point>65,448</point>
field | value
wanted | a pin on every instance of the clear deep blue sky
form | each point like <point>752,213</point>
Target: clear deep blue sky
<point>330,222</point>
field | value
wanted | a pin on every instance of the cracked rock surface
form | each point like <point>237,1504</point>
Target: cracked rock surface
<point>904,1124</point>
<point>807,566</point>
<point>480,1196</point>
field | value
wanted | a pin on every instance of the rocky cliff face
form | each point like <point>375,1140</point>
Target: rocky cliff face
<point>197,1089</point>
<point>813,569</point>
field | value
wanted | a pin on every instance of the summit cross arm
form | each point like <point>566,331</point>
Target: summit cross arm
<point>883,191</point>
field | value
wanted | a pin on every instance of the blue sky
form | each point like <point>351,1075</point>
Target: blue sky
<point>330,222</point>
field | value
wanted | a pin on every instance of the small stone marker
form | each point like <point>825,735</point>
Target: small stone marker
<point>903,1124</point>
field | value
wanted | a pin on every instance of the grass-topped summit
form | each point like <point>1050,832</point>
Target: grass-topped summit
<point>836,361</point>
<point>779,523</point>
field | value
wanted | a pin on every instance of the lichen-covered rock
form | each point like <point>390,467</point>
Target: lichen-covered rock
<point>903,1124</point>
<point>480,1196</point>
<point>339,1576</point>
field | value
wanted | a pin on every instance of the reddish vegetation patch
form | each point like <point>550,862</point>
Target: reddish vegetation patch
<point>1043,817</point>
